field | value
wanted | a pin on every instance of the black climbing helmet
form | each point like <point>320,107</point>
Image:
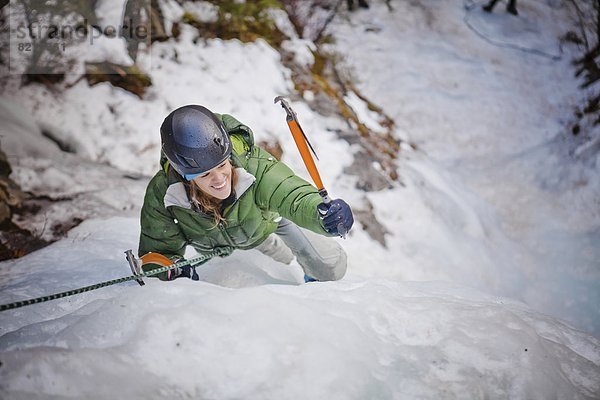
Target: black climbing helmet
<point>194,140</point>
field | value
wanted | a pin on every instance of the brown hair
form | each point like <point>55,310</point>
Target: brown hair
<point>206,203</point>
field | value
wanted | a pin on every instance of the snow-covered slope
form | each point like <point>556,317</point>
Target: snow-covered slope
<point>499,201</point>
<point>494,226</point>
<point>271,337</point>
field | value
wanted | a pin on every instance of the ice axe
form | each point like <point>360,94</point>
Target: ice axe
<point>305,149</point>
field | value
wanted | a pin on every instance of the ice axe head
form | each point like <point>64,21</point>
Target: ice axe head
<point>288,109</point>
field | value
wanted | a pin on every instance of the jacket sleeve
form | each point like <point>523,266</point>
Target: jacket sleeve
<point>280,190</point>
<point>159,232</point>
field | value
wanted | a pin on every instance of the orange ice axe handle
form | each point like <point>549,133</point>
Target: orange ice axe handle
<point>305,153</point>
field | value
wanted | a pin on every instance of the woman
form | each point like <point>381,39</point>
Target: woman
<point>216,189</point>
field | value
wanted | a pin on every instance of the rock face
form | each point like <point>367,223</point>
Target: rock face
<point>14,241</point>
<point>11,196</point>
<point>129,78</point>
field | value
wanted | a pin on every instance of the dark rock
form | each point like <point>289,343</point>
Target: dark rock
<point>273,147</point>
<point>370,224</point>
<point>130,78</point>
<point>11,196</point>
<point>369,179</point>
<point>14,241</point>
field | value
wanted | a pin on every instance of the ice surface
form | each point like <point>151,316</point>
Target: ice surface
<point>492,251</point>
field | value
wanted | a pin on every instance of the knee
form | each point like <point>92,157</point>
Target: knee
<point>321,258</point>
<point>333,268</point>
<point>339,270</point>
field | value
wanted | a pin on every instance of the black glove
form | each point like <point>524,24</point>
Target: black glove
<point>337,217</point>
<point>186,271</point>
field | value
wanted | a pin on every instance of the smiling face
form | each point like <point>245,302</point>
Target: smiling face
<point>216,182</point>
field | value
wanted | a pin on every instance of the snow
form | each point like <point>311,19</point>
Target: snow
<point>203,11</point>
<point>500,205</point>
<point>272,337</point>
<point>488,286</point>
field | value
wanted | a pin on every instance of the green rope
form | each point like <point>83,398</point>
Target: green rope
<point>195,260</point>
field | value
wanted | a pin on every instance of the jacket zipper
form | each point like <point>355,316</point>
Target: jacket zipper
<point>225,234</point>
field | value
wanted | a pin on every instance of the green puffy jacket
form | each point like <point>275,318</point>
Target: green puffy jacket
<point>266,190</point>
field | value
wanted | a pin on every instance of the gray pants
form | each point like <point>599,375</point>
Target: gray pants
<point>321,257</point>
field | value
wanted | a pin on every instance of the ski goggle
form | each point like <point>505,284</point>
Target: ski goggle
<point>190,177</point>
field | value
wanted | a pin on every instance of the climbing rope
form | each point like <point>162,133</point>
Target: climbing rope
<point>469,5</point>
<point>192,261</point>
